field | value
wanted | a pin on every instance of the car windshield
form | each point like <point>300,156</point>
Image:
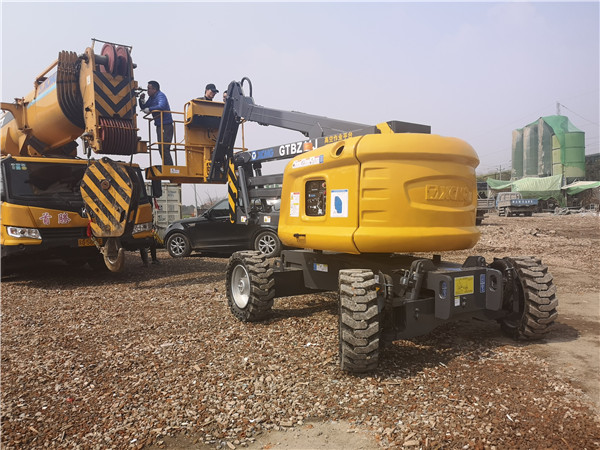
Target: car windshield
<point>274,204</point>
<point>266,205</point>
<point>221,209</point>
<point>41,180</point>
<point>35,179</point>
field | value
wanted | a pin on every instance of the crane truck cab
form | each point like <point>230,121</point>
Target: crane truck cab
<point>43,214</point>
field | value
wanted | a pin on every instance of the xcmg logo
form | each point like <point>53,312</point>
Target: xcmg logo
<point>440,193</point>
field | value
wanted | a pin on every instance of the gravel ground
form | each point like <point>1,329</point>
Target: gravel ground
<point>93,360</point>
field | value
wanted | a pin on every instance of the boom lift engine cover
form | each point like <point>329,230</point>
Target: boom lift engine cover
<point>382,193</point>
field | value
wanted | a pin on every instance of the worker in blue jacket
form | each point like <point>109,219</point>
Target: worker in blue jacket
<point>164,122</point>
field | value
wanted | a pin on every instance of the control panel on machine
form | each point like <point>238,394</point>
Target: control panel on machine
<point>316,197</point>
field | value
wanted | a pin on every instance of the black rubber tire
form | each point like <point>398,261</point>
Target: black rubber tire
<point>267,242</point>
<point>250,286</point>
<point>527,282</point>
<point>359,321</point>
<point>178,245</point>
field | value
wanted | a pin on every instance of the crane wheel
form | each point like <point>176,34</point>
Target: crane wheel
<point>114,255</point>
<point>359,320</point>
<point>530,295</point>
<point>250,286</point>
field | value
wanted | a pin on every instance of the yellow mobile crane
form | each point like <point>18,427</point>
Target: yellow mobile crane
<point>355,208</point>
<point>92,96</point>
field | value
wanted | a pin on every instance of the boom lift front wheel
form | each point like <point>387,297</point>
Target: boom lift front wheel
<point>359,320</point>
<point>250,286</point>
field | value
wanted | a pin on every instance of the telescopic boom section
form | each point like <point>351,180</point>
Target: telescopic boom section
<point>89,96</point>
<point>239,108</point>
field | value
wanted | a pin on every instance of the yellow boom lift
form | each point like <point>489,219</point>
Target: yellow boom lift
<point>358,204</point>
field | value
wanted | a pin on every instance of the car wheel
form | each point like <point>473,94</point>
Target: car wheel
<point>268,243</point>
<point>178,245</point>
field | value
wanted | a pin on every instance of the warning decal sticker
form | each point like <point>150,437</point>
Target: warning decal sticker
<point>295,204</point>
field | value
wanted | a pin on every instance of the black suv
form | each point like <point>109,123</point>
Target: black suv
<point>212,232</point>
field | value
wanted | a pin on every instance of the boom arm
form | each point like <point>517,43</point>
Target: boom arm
<point>239,107</point>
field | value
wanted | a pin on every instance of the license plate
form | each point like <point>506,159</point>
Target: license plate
<point>464,285</point>
<point>87,242</point>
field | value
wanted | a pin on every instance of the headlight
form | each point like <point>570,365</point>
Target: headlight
<point>141,227</point>
<point>19,232</point>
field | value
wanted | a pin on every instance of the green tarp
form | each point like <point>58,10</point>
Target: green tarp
<point>543,188</point>
<point>561,125</point>
<point>540,188</point>
<point>499,184</point>
<point>534,151</point>
<point>580,186</point>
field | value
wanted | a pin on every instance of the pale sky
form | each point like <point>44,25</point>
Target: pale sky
<point>475,71</point>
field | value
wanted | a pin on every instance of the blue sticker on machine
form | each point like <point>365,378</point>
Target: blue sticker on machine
<point>482,283</point>
<point>262,154</point>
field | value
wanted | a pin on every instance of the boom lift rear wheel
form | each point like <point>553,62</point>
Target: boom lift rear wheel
<point>359,320</point>
<point>250,286</point>
<point>530,294</point>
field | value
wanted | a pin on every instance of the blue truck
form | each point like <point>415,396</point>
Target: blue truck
<point>513,204</point>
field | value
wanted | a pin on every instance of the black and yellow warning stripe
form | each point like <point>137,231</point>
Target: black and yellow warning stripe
<point>115,96</point>
<point>232,191</point>
<point>107,192</point>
